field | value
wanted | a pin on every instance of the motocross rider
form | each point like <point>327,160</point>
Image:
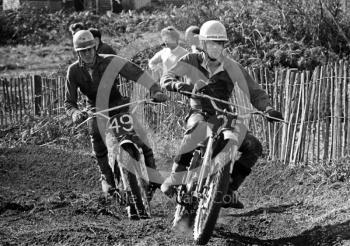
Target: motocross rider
<point>215,74</point>
<point>86,74</point>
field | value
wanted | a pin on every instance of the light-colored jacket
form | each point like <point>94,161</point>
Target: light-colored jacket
<point>165,59</point>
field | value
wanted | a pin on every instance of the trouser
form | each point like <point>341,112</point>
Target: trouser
<point>101,153</point>
<point>197,131</point>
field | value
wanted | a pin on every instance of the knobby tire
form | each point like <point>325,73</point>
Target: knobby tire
<point>206,217</point>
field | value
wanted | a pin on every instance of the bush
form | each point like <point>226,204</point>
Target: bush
<point>28,26</point>
<point>276,32</point>
<point>298,34</point>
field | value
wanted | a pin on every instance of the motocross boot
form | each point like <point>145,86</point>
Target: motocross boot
<point>107,176</point>
<point>231,200</point>
<point>237,177</point>
<point>150,163</point>
<point>175,178</point>
<point>107,189</point>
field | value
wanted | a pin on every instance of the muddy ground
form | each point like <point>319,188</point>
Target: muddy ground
<point>51,196</point>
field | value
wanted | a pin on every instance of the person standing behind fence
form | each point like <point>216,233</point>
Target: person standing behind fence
<point>166,58</point>
<point>192,38</point>
<point>102,48</point>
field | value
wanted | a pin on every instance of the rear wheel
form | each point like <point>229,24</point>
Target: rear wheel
<point>210,204</point>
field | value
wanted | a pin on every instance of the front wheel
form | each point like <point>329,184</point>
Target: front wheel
<point>210,204</point>
<point>138,205</point>
<point>137,196</point>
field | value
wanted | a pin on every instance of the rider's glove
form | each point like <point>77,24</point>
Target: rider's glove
<point>79,117</point>
<point>183,87</point>
<point>207,90</point>
<point>159,97</point>
<point>276,115</point>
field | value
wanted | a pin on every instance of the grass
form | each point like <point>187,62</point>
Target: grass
<point>54,59</point>
<point>35,59</point>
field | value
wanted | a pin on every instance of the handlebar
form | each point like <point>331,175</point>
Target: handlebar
<point>213,100</point>
<point>119,107</point>
<point>102,112</point>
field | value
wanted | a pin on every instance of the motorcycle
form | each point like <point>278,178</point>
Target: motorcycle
<point>133,181</point>
<point>206,181</point>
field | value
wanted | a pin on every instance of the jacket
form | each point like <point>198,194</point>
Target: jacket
<point>78,77</point>
<point>166,58</point>
<point>220,84</point>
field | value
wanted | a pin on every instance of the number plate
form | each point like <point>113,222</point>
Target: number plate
<point>121,123</point>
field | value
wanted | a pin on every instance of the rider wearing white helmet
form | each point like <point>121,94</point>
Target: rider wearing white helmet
<point>213,73</point>
<point>212,37</point>
<point>86,75</point>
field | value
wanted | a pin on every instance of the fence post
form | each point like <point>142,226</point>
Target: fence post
<point>37,94</point>
<point>2,103</point>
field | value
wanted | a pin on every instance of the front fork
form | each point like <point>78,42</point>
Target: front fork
<point>194,180</point>
<point>189,181</point>
<point>211,166</point>
<point>197,182</point>
<point>205,169</point>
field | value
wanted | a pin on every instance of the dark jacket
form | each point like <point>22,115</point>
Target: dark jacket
<point>78,77</point>
<point>230,80</point>
<point>220,84</point>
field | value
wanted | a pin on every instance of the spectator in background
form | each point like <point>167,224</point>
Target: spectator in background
<point>75,27</point>
<point>192,38</point>
<point>166,58</point>
<point>102,48</point>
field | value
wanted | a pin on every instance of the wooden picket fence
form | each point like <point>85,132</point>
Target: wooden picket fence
<point>315,104</point>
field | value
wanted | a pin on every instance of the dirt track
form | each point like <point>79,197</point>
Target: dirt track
<point>51,197</point>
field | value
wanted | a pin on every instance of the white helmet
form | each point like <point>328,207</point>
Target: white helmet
<point>213,30</point>
<point>83,40</point>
